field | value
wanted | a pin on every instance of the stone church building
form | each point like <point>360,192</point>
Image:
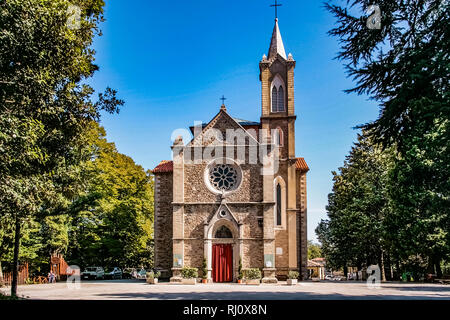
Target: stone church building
<point>236,190</point>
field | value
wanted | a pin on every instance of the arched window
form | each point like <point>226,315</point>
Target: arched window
<point>274,99</point>
<point>278,137</point>
<point>278,205</point>
<point>278,94</point>
<point>223,233</point>
<point>279,209</point>
<point>280,99</point>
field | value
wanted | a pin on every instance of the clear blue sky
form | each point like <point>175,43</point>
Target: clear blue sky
<point>171,61</point>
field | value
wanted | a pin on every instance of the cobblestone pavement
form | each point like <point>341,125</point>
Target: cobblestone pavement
<point>128,289</point>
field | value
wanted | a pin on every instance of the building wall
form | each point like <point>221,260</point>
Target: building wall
<point>163,222</point>
<point>195,216</point>
<point>302,235</point>
<point>196,191</point>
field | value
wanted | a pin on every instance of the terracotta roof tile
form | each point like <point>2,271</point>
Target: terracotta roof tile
<point>312,263</point>
<point>301,165</point>
<point>167,166</point>
<point>164,166</point>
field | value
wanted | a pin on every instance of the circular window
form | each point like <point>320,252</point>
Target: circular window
<point>222,178</point>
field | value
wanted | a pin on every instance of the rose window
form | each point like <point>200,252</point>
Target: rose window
<point>223,177</point>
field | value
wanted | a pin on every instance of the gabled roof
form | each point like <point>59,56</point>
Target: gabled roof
<point>164,167</point>
<point>167,166</point>
<point>215,119</point>
<point>301,165</point>
<point>243,123</point>
<point>276,44</point>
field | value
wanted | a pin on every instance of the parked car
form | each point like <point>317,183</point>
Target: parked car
<point>129,273</point>
<point>115,273</point>
<point>93,273</point>
<point>142,274</point>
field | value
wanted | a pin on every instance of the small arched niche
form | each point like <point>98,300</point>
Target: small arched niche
<point>223,232</point>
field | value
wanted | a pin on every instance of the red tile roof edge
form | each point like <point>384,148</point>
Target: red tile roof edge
<point>301,165</point>
<point>164,166</point>
<point>167,166</point>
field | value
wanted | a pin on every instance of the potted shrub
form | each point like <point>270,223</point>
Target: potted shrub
<point>204,272</point>
<point>240,273</point>
<point>292,278</point>
<point>189,275</point>
<point>253,276</point>
<point>152,277</point>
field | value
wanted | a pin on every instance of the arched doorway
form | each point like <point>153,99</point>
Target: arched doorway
<point>222,256</point>
<point>222,246</point>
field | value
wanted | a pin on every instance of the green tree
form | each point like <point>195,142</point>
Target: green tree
<point>116,226</point>
<point>404,66</point>
<point>314,250</point>
<point>44,107</point>
<point>354,233</point>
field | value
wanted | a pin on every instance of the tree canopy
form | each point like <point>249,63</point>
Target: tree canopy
<point>404,66</point>
<point>45,106</point>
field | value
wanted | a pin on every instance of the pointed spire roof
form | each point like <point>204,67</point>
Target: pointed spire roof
<point>276,44</point>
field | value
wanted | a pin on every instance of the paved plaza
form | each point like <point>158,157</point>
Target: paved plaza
<point>129,289</point>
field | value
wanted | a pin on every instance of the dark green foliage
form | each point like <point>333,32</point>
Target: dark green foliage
<point>45,107</point>
<point>354,233</point>
<point>405,66</point>
<point>115,225</point>
<point>188,273</point>
<point>314,250</point>
<point>204,269</point>
<point>252,274</point>
<point>240,272</point>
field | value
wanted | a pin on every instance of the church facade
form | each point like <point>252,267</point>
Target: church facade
<point>236,191</point>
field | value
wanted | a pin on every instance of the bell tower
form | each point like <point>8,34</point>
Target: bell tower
<point>277,88</point>
<point>278,119</point>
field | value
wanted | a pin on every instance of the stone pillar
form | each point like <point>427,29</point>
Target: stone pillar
<point>265,87</point>
<point>178,209</point>
<point>241,243</point>
<point>207,245</point>
<point>290,86</point>
<point>303,228</point>
<point>156,220</point>
<point>292,197</point>
<point>269,269</point>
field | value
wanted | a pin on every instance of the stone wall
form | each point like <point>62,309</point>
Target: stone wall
<point>302,236</point>
<point>163,222</point>
<point>196,191</point>
<point>195,215</point>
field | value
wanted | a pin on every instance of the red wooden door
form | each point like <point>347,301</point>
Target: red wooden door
<point>222,263</point>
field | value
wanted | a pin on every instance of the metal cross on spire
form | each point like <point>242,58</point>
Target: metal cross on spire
<point>276,5</point>
<point>223,99</point>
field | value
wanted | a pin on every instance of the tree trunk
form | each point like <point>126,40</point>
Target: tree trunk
<point>345,271</point>
<point>438,268</point>
<point>1,275</point>
<point>397,266</point>
<point>383,272</point>
<point>16,258</point>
